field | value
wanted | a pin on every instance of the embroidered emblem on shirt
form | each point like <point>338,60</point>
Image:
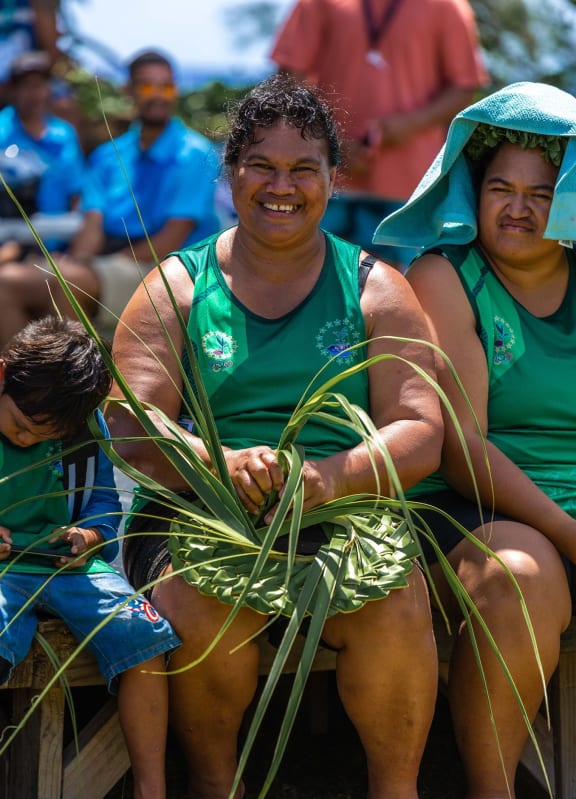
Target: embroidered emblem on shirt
<point>504,340</point>
<point>220,348</point>
<point>335,337</point>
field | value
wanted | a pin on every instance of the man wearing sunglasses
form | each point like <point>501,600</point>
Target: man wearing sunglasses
<point>157,180</point>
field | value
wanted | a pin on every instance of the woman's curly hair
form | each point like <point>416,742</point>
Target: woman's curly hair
<point>282,98</point>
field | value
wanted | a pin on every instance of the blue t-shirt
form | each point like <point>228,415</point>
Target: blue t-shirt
<point>54,162</point>
<point>175,178</point>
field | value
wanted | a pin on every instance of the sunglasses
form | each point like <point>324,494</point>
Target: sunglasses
<point>147,90</point>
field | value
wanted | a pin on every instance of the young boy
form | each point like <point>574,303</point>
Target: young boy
<point>53,532</point>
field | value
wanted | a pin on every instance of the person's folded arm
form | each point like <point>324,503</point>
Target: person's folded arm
<point>500,483</point>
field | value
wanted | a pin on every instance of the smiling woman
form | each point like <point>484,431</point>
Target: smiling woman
<point>283,181</point>
<point>265,306</point>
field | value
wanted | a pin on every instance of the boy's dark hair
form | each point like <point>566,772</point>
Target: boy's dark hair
<point>146,58</point>
<point>55,374</point>
<point>282,98</point>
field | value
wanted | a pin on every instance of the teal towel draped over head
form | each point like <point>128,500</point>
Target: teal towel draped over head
<point>442,209</point>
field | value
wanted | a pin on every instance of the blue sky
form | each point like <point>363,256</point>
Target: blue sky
<point>195,32</point>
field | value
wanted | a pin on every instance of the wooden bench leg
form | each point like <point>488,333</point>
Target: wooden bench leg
<point>102,758</point>
<point>564,727</point>
<point>39,742</point>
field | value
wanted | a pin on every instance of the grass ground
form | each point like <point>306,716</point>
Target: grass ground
<point>329,763</point>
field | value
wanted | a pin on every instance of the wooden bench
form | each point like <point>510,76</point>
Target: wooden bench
<point>39,766</point>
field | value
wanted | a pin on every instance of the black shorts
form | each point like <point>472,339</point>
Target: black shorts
<point>145,550</point>
<point>464,511</point>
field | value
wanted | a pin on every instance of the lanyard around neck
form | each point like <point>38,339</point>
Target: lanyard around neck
<point>374,28</point>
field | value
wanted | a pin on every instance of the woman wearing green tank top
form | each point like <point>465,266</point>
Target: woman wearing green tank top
<point>266,303</point>
<point>500,290</point>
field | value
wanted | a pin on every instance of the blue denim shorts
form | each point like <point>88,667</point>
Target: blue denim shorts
<point>132,632</point>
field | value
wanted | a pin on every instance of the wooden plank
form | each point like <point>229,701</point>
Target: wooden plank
<point>51,741</point>
<point>35,765</point>
<point>563,708</point>
<point>37,669</point>
<point>24,752</point>
<point>529,757</point>
<point>568,638</point>
<point>102,758</point>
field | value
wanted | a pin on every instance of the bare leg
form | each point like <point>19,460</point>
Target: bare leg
<point>208,701</point>
<point>27,292</point>
<point>387,676</point>
<point>143,710</point>
<point>539,571</point>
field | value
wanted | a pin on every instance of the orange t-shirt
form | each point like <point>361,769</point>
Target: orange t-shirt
<point>428,45</point>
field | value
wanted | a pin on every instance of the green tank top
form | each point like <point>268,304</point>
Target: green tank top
<point>532,376</point>
<point>34,502</point>
<point>255,370</point>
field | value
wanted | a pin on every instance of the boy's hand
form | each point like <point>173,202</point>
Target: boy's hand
<point>81,539</point>
<point>5,543</point>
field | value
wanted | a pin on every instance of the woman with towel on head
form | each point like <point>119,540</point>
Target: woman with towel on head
<point>495,219</point>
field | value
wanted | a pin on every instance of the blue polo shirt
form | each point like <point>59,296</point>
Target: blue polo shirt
<point>55,160</point>
<point>175,178</point>
<point>56,154</point>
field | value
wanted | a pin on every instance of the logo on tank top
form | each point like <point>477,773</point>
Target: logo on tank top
<point>219,347</point>
<point>335,337</point>
<point>504,340</point>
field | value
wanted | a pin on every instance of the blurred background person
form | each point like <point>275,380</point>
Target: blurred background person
<point>40,154</point>
<point>42,162</point>
<point>398,71</point>
<point>159,169</point>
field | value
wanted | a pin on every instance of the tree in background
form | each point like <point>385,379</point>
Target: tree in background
<point>529,40</point>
